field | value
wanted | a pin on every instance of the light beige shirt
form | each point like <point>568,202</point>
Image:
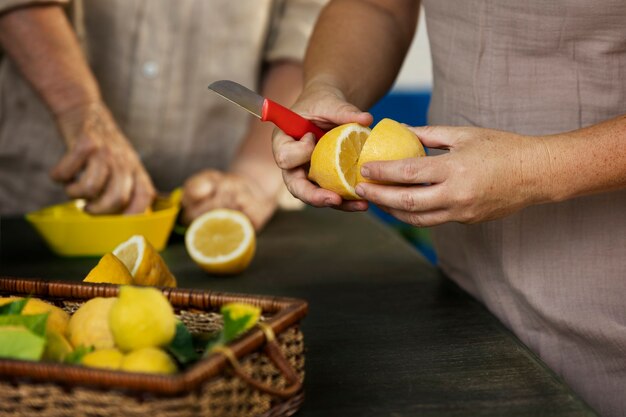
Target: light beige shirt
<point>153,60</point>
<point>555,273</point>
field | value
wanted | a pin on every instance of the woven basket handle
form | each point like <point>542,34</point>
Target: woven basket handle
<point>273,351</point>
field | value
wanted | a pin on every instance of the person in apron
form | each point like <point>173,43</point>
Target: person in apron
<point>107,100</point>
<point>526,193</point>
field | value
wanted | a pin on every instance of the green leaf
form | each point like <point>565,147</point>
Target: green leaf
<point>17,342</point>
<point>14,307</point>
<point>75,357</point>
<point>182,346</point>
<point>238,318</point>
<point>36,323</point>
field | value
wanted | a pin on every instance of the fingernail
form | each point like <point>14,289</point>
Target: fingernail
<point>328,202</point>
<point>365,171</point>
<point>359,190</point>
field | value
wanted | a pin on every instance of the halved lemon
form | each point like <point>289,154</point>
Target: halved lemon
<point>338,156</point>
<point>334,159</point>
<point>221,241</point>
<point>144,262</point>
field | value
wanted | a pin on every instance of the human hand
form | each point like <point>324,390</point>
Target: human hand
<point>211,189</point>
<point>486,174</point>
<point>100,165</point>
<point>327,108</point>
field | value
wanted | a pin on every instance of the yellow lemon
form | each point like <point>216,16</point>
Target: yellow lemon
<point>149,360</point>
<point>338,156</point>
<point>89,326</point>
<point>141,317</point>
<point>57,318</point>
<point>110,269</point>
<point>221,241</point>
<point>144,262</point>
<point>389,141</point>
<point>103,358</point>
<point>334,159</point>
<point>57,347</point>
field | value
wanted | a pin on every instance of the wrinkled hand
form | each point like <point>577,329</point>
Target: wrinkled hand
<point>327,108</point>
<point>100,165</point>
<point>212,189</point>
<point>486,174</point>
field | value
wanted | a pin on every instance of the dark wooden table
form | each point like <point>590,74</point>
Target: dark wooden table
<point>386,334</point>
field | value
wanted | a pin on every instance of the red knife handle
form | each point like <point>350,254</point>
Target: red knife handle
<point>289,122</point>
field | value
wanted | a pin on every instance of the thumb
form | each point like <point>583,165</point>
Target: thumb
<point>331,111</point>
<point>348,113</point>
<point>436,137</point>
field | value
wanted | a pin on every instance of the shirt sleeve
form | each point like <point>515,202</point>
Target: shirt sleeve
<point>291,27</point>
<point>6,5</point>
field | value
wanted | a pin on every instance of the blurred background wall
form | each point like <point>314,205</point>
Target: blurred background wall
<point>408,102</point>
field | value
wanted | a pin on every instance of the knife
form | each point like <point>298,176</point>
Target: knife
<point>265,109</point>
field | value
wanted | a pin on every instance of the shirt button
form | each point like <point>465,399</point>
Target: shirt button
<point>150,69</point>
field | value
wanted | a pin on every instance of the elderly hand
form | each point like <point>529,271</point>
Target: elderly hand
<point>212,189</point>
<point>327,108</point>
<point>486,174</point>
<point>100,165</point>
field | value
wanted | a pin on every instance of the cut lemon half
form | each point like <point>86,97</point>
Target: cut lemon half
<point>221,241</point>
<point>144,262</point>
<point>334,159</point>
<point>389,141</point>
<point>338,156</point>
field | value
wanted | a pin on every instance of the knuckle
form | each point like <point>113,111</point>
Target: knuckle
<point>407,201</point>
<point>415,219</point>
<point>409,170</point>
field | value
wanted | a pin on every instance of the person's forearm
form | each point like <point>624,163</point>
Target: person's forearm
<point>586,161</point>
<point>282,83</point>
<point>41,42</point>
<point>358,47</point>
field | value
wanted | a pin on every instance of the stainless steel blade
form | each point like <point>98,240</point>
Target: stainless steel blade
<point>240,95</point>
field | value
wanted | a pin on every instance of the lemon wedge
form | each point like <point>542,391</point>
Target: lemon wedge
<point>144,263</point>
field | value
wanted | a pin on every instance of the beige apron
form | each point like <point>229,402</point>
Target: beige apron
<point>555,273</point>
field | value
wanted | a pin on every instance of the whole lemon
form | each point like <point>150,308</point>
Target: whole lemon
<point>149,360</point>
<point>89,326</point>
<point>57,347</point>
<point>103,358</point>
<point>141,317</point>
<point>57,318</point>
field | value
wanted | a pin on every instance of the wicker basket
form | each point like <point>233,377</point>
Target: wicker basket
<point>257,375</point>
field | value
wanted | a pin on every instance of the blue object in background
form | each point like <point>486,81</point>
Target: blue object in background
<point>410,107</point>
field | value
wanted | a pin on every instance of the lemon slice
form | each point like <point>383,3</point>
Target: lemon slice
<point>144,262</point>
<point>221,241</point>
<point>334,159</point>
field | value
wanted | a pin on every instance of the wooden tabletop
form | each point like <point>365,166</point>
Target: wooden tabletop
<point>386,334</point>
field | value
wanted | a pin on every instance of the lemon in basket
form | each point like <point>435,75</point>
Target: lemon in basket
<point>103,358</point>
<point>89,325</point>
<point>149,360</point>
<point>144,263</point>
<point>221,241</point>
<point>141,317</point>
<point>110,269</point>
<point>57,318</point>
